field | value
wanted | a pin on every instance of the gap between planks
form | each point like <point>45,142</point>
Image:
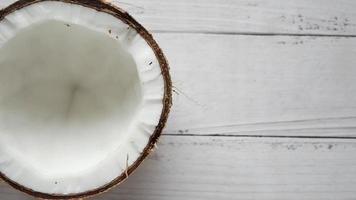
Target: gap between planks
<point>260,136</point>
<point>252,34</point>
<point>237,130</point>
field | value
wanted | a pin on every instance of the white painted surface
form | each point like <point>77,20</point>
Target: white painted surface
<point>246,16</point>
<point>262,85</point>
<point>248,85</point>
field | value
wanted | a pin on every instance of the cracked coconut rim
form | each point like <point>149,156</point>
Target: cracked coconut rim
<point>85,93</point>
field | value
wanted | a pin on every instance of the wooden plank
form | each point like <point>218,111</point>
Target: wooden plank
<point>248,85</point>
<point>226,168</point>
<point>244,16</point>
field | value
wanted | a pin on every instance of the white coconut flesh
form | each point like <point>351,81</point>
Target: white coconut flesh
<point>80,95</point>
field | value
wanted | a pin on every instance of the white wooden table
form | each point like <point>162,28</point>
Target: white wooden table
<point>265,101</point>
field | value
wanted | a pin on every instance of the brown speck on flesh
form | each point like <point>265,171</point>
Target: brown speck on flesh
<point>181,131</point>
<point>117,37</point>
<point>175,91</point>
<point>56,182</point>
<point>68,25</point>
<point>151,63</point>
<point>110,31</point>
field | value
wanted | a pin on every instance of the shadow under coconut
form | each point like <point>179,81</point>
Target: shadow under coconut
<point>62,87</point>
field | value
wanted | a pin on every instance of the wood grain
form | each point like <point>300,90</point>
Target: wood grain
<point>325,17</point>
<point>248,85</point>
<point>227,168</point>
<point>246,16</point>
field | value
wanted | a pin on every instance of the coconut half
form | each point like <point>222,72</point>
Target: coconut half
<point>84,94</point>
